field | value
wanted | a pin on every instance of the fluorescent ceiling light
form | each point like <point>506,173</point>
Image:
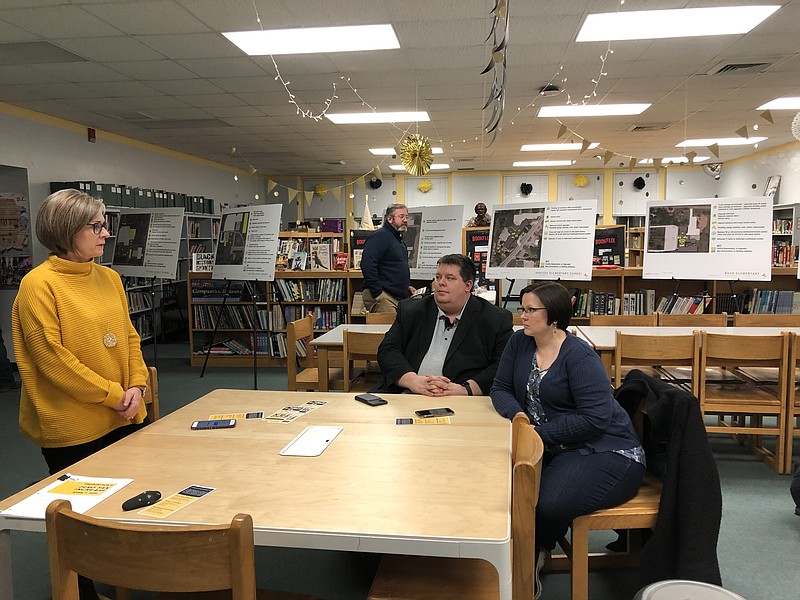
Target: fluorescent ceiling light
<point>311,40</point>
<point>684,22</point>
<point>737,141</point>
<point>673,159</point>
<point>555,147</point>
<point>434,167</point>
<point>592,110</point>
<point>781,104</point>
<point>390,151</point>
<point>543,163</point>
<point>378,117</point>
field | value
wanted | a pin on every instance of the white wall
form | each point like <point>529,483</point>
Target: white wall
<point>749,177</point>
<point>54,153</point>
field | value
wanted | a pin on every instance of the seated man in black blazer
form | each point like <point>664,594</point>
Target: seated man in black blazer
<point>448,343</point>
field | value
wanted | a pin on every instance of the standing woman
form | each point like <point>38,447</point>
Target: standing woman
<point>79,356</point>
<point>593,458</point>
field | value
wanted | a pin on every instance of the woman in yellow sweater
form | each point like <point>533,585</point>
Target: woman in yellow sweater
<point>79,356</point>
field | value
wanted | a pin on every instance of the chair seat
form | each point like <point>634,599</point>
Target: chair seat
<point>226,595</point>
<point>310,377</point>
<point>402,577</point>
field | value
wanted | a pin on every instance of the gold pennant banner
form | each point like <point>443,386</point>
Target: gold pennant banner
<point>607,156</point>
<point>292,194</point>
<point>714,149</point>
<point>309,196</point>
<point>270,185</point>
<point>337,193</point>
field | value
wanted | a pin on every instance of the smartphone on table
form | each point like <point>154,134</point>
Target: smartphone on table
<point>215,424</point>
<point>371,399</point>
<point>434,412</point>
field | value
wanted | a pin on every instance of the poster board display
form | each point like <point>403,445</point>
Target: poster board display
<point>247,247</point>
<point>609,246</point>
<point>542,240</point>
<point>433,232</point>
<point>16,257</point>
<point>723,238</point>
<point>358,237</point>
<point>475,245</point>
<point>148,242</point>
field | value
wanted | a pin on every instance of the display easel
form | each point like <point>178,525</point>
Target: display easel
<point>155,324</point>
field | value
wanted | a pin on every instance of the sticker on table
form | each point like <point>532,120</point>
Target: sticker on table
<point>167,506</point>
<point>249,415</point>
<point>289,413</point>
<point>428,421</point>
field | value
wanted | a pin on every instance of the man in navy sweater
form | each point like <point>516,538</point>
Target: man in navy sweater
<point>384,263</point>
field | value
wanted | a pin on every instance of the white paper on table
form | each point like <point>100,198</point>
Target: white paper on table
<point>82,492</point>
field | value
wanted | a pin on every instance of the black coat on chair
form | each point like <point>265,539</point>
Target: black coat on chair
<point>684,541</point>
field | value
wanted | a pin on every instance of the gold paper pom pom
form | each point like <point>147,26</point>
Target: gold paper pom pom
<point>425,186</point>
<point>416,155</point>
<point>320,189</point>
<point>580,180</point>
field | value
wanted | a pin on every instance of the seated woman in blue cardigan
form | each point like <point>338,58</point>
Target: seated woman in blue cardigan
<point>593,458</point>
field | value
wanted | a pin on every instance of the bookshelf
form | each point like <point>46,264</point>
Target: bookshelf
<point>291,296</point>
<point>636,247</point>
<point>785,234</point>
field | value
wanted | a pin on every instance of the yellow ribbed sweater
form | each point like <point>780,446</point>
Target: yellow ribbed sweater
<point>72,383</point>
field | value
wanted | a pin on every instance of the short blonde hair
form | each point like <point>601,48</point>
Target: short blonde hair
<point>61,217</point>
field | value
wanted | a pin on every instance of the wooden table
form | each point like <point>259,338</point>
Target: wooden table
<point>332,341</point>
<point>603,338</point>
<point>431,490</point>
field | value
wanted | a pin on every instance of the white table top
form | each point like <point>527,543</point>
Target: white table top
<point>603,337</point>
<point>335,336</point>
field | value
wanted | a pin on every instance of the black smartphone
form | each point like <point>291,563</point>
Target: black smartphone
<point>215,424</point>
<point>371,399</point>
<point>434,412</point>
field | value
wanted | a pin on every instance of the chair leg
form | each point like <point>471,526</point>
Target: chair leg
<point>580,560</point>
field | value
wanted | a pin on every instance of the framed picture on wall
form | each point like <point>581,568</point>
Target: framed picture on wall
<point>771,189</point>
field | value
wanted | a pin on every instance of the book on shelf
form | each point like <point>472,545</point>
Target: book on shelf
<point>202,262</point>
<point>320,255</point>
<point>340,261</point>
<point>357,254</point>
<point>299,260</point>
<point>357,308</point>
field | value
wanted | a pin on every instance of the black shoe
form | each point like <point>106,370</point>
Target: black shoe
<point>7,387</point>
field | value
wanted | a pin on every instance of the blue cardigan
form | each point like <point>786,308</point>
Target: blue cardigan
<point>575,393</point>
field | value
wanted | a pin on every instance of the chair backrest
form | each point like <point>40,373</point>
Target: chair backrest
<point>358,345</point>
<point>301,329</point>
<point>662,350</point>
<point>705,319</point>
<point>524,498</point>
<point>149,557</point>
<point>766,320</point>
<point>516,318</point>
<point>624,320</point>
<point>151,399</point>
<point>728,350</point>
<point>380,318</point>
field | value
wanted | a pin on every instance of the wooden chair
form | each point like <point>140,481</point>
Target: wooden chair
<point>380,318</point>
<point>151,398</point>
<point>653,353</point>
<point>765,320</point>
<point>425,578</point>
<point>308,378</point>
<point>624,320</point>
<point>360,346</point>
<point>736,406</point>
<point>194,559</point>
<point>640,512</point>
<point>516,318</point>
<point>793,401</point>
<point>702,320</point>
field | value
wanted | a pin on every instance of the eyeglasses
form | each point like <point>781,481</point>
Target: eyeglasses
<point>529,310</point>
<point>97,228</point>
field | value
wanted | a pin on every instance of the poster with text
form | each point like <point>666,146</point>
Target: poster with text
<point>148,242</point>
<point>248,243</point>
<point>542,240</point>
<point>15,236</point>
<point>433,231</point>
<point>709,238</point>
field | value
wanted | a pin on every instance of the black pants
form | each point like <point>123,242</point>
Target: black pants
<point>61,458</point>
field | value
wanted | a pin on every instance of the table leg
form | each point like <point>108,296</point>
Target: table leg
<point>322,369</point>
<point>6,589</point>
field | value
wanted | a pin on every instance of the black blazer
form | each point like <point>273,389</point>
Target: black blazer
<point>474,352</point>
<point>684,541</point>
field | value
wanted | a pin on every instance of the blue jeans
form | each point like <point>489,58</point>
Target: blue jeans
<point>574,484</point>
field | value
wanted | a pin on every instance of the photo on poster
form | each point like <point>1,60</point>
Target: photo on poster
<point>232,238</point>
<point>411,237</point>
<point>132,238</point>
<point>682,228</point>
<point>517,238</point>
<point>771,189</point>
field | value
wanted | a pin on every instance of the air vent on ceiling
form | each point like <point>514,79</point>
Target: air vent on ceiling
<point>462,160</point>
<point>650,127</point>
<point>738,68</point>
<point>466,168</point>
